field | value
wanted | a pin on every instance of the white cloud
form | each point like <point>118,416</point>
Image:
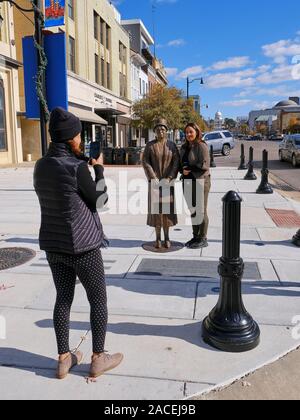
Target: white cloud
<point>279,51</point>
<point>231,63</point>
<point>279,74</point>
<point>171,71</point>
<point>237,104</point>
<point>176,43</point>
<point>173,43</point>
<point>191,71</point>
<point>276,92</point>
<point>238,79</point>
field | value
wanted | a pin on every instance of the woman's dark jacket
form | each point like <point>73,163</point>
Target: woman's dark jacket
<point>68,197</point>
<point>196,157</point>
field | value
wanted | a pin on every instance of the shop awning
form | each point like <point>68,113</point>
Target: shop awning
<point>87,116</point>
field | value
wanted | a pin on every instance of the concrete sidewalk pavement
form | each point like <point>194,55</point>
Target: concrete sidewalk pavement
<point>156,302</point>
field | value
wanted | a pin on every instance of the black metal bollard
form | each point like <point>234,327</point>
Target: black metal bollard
<point>243,165</point>
<point>229,327</point>
<point>250,176</point>
<point>265,187</point>
<point>212,158</point>
<point>296,239</point>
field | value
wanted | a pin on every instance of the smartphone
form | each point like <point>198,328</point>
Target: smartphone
<point>95,150</point>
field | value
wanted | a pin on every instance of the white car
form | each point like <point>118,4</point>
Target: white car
<point>222,141</point>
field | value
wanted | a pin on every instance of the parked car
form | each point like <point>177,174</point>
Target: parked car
<point>257,137</point>
<point>222,141</point>
<point>276,137</point>
<point>289,149</point>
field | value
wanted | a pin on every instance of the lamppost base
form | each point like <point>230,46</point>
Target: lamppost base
<point>250,177</point>
<point>243,167</point>
<point>238,339</point>
<point>265,189</point>
<point>296,239</point>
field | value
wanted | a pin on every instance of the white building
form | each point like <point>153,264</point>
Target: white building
<point>219,121</point>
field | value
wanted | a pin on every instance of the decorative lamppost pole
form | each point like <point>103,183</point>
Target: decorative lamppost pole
<point>188,82</point>
<point>229,327</point>
<point>39,23</point>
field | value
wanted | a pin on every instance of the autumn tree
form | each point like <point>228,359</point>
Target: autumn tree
<point>166,102</point>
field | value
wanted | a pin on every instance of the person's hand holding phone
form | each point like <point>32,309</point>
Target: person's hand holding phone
<point>99,161</point>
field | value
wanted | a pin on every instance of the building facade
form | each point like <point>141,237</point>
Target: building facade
<point>150,70</point>
<point>99,82</point>
<point>277,119</point>
<point>10,132</point>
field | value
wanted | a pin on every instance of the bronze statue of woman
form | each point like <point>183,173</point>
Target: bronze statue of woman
<point>161,164</point>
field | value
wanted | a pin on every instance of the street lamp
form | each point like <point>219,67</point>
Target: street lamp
<point>188,82</point>
<point>39,23</point>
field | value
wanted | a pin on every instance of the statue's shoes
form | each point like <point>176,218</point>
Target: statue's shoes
<point>168,244</point>
<point>158,245</point>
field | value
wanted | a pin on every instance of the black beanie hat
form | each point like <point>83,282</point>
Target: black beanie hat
<point>63,126</point>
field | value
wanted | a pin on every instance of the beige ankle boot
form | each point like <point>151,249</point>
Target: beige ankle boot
<point>68,363</point>
<point>103,363</point>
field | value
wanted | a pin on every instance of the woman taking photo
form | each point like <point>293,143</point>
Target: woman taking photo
<point>72,236</point>
<point>195,169</point>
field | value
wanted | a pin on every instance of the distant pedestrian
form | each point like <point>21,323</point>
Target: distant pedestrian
<point>195,169</point>
<point>71,234</point>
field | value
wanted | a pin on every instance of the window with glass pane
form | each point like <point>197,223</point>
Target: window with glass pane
<point>103,72</point>
<point>96,25</point>
<point>102,31</point>
<point>72,58</point>
<point>71,9</point>
<point>3,145</point>
<point>108,76</point>
<point>97,70</point>
<point>107,37</point>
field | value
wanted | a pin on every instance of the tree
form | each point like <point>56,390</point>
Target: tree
<point>230,123</point>
<point>189,114</point>
<point>166,102</point>
<point>294,126</point>
<point>245,129</point>
<point>160,102</point>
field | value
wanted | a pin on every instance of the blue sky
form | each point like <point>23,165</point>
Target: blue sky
<point>247,52</point>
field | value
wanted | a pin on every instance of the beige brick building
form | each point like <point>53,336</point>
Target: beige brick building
<point>98,57</point>
<point>10,131</point>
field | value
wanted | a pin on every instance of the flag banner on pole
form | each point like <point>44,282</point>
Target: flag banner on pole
<point>56,74</point>
<point>54,13</point>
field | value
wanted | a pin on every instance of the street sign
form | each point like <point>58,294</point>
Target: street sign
<point>54,13</point>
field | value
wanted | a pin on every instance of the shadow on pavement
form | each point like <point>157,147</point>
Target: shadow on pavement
<point>191,333</point>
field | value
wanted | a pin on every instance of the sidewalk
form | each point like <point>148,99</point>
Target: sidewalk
<point>156,302</point>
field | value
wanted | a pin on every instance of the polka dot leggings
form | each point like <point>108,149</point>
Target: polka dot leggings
<point>90,270</point>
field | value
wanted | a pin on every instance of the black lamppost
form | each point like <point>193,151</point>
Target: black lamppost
<point>39,23</point>
<point>188,82</point>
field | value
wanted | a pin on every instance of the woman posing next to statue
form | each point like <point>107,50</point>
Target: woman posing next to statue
<point>195,169</point>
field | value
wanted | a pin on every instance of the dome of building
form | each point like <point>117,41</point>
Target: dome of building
<point>284,104</point>
<point>219,115</point>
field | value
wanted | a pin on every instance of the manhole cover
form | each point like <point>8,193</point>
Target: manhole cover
<point>284,218</point>
<point>13,257</point>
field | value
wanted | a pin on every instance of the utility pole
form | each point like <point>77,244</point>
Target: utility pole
<point>37,6</point>
<point>39,36</point>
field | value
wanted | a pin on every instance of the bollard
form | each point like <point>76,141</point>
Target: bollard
<point>265,187</point>
<point>250,176</point>
<point>296,239</point>
<point>212,158</point>
<point>229,327</point>
<point>243,165</point>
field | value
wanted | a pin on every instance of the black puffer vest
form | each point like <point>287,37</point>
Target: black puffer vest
<point>68,226</point>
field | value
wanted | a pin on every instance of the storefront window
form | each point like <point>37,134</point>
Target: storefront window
<point>3,144</point>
